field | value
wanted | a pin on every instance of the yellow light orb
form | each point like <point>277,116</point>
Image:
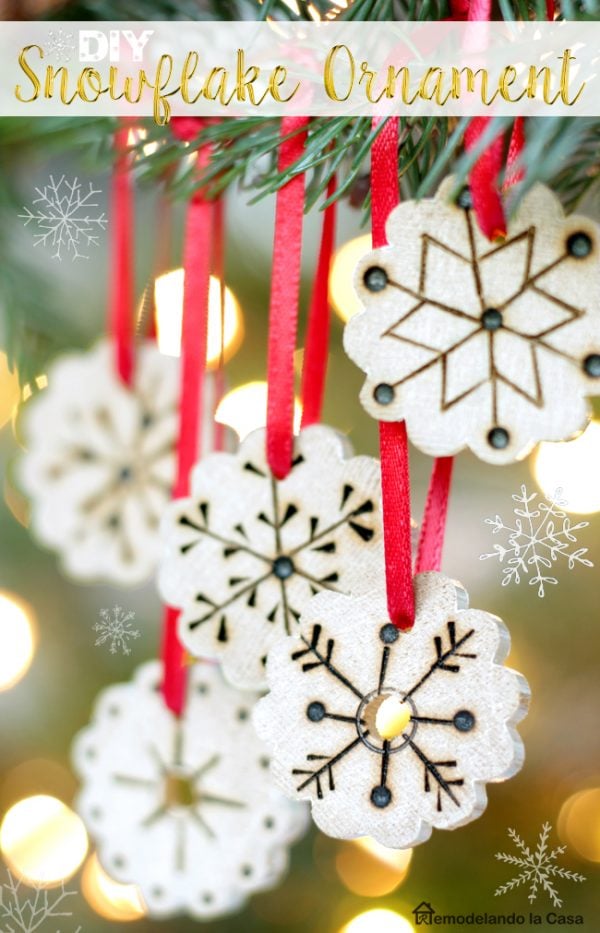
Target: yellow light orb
<point>17,641</point>
<point>369,869</point>
<point>572,467</point>
<point>245,409</point>
<point>42,840</point>
<point>168,297</point>
<point>579,823</point>
<point>342,295</point>
<point>108,898</point>
<point>397,859</point>
<point>9,390</point>
<point>378,921</point>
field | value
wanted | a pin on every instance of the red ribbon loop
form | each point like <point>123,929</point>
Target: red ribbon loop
<point>121,303</point>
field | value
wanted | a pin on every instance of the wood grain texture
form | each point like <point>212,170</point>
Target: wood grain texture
<point>327,683</point>
<point>491,346</point>
<point>184,808</point>
<point>245,553</point>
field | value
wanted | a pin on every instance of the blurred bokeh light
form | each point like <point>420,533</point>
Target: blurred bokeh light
<point>108,898</point>
<point>572,467</point>
<point>378,921</point>
<point>369,869</point>
<point>42,840</point>
<point>342,295</point>
<point>245,409</point>
<point>17,641</point>
<point>9,390</point>
<point>168,297</point>
<point>579,823</point>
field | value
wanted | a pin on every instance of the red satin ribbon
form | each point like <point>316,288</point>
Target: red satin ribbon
<point>433,526</point>
<point>316,349</point>
<point>393,442</point>
<point>121,316</point>
<point>197,261</point>
<point>285,293</point>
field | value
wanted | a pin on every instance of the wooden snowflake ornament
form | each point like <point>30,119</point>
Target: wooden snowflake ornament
<point>391,734</point>
<point>100,464</point>
<point>184,808</point>
<point>246,552</point>
<point>492,346</point>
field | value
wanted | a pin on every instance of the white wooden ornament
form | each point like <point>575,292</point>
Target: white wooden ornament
<point>453,716</point>
<point>492,346</point>
<point>245,553</point>
<point>99,464</point>
<point>184,808</point>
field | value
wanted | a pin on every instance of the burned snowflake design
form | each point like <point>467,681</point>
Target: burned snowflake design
<point>60,45</point>
<point>390,733</point>
<point>494,346</point>
<point>67,216</point>
<point>541,535</point>
<point>184,807</point>
<point>115,629</point>
<point>246,552</point>
<point>539,869</point>
<point>25,907</point>
<point>100,462</point>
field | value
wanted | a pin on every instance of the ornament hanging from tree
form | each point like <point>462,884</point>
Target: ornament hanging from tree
<point>99,464</point>
<point>246,552</point>
<point>492,346</point>
<point>184,806</point>
<point>389,733</point>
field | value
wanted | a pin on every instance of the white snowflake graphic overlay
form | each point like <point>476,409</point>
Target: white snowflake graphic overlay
<point>494,346</point>
<point>21,912</point>
<point>541,535</point>
<point>67,217</point>
<point>115,629</point>
<point>60,45</point>
<point>538,867</point>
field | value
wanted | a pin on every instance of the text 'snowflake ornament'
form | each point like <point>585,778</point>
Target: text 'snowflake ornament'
<point>99,464</point>
<point>245,553</point>
<point>391,734</point>
<point>184,808</point>
<point>492,346</point>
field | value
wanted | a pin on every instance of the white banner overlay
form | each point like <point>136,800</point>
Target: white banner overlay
<point>220,69</point>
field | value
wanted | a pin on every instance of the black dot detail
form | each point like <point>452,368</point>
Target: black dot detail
<point>591,365</point>
<point>465,199</point>
<point>381,796</point>
<point>207,898</point>
<point>113,521</point>
<point>579,245</point>
<point>388,633</point>
<point>264,762</point>
<point>119,861</point>
<point>202,689</point>
<point>269,822</point>
<point>283,567</point>
<point>464,720</point>
<point>147,420</point>
<point>498,438</point>
<point>125,474</point>
<point>315,711</point>
<point>376,279</point>
<point>491,319</point>
<point>157,892</point>
<point>242,715</point>
<point>384,394</point>
<point>246,870</point>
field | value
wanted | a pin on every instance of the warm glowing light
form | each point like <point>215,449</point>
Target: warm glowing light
<point>572,467</point>
<point>378,921</point>
<point>42,840</point>
<point>16,641</point>
<point>342,295</point>
<point>245,409</point>
<point>579,823</point>
<point>40,382</point>
<point>168,297</point>
<point>108,898</point>
<point>9,390</point>
<point>369,869</point>
<point>392,717</point>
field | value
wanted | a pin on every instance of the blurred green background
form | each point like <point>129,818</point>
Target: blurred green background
<point>555,639</point>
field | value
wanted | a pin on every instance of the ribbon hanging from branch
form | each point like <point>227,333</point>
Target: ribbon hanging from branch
<point>121,301</point>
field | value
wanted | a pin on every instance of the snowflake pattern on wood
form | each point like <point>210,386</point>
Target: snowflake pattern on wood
<point>246,552</point>
<point>456,710</point>
<point>99,464</point>
<point>538,868</point>
<point>67,217</point>
<point>542,534</point>
<point>25,907</point>
<point>490,346</point>
<point>184,807</point>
